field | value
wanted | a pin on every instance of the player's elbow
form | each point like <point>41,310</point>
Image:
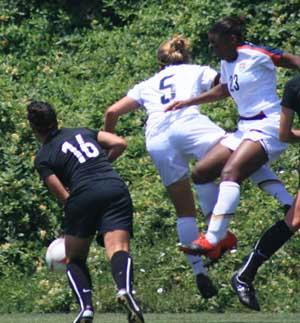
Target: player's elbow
<point>123,144</point>
<point>120,145</point>
<point>111,113</point>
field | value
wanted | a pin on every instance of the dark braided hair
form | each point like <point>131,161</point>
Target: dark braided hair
<point>231,25</point>
<point>42,116</point>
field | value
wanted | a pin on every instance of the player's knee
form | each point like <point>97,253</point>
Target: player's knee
<point>229,173</point>
<point>195,177</point>
<point>293,224</point>
<point>115,247</point>
<point>199,176</point>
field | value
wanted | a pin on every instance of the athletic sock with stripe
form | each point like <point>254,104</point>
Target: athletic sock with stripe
<point>122,270</point>
<point>272,240</point>
<point>80,282</point>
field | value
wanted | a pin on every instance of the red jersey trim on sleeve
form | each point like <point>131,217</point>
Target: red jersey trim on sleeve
<point>274,53</point>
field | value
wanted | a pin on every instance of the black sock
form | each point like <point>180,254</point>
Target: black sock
<point>272,240</point>
<point>122,270</point>
<point>80,282</point>
<point>249,269</point>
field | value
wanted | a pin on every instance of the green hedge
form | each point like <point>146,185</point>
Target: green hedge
<point>82,56</point>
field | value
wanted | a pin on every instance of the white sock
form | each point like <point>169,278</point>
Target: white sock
<point>217,228</point>
<point>228,200</point>
<point>187,230</point>
<point>268,181</point>
<point>278,190</point>
<point>207,195</point>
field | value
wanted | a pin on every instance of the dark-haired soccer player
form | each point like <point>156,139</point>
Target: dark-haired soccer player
<point>248,76</point>
<point>277,235</point>
<point>74,166</point>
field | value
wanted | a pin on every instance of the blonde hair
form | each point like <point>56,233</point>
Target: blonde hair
<point>174,51</point>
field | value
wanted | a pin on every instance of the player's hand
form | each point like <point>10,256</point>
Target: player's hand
<point>176,105</point>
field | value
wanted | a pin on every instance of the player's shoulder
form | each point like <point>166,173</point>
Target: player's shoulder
<point>41,155</point>
<point>259,50</point>
<point>186,69</point>
<point>140,85</point>
<point>70,134</point>
<point>77,130</point>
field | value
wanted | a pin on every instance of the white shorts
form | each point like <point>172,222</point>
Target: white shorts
<point>266,131</point>
<point>177,139</point>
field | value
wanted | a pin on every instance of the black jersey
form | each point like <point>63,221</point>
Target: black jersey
<point>75,157</point>
<point>291,95</point>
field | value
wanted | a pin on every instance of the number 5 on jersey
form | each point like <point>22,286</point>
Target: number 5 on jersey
<point>166,84</point>
<point>86,149</point>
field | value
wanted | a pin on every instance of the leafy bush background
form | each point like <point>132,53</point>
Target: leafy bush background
<point>82,56</point>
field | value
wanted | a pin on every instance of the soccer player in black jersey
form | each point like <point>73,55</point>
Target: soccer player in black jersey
<point>277,235</point>
<point>74,163</point>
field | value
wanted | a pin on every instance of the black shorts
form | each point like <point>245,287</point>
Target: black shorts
<point>102,206</point>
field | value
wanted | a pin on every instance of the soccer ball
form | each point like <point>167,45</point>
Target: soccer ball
<point>56,255</point>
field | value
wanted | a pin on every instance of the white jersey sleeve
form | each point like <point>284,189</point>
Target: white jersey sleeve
<point>136,93</point>
<point>223,78</point>
<point>208,76</point>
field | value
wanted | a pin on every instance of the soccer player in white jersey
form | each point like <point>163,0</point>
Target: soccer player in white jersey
<point>248,75</point>
<point>279,233</point>
<point>173,139</point>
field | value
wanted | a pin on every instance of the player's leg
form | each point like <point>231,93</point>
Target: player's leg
<point>210,166</point>
<point>115,227</point>
<point>200,136</point>
<point>207,169</point>
<point>246,159</point>
<point>117,249</point>
<point>207,195</point>
<point>78,236</point>
<point>187,230</point>
<point>173,169</point>
<point>78,275</point>
<point>268,181</point>
<point>292,218</point>
<point>271,241</point>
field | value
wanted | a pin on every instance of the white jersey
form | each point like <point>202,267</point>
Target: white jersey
<point>174,138</point>
<point>251,79</point>
<point>174,82</point>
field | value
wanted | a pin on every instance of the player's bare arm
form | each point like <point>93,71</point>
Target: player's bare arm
<point>216,80</point>
<point>57,188</point>
<point>289,61</point>
<point>286,132</point>
<point>217,93</point>
<point>114,144</point>
<point>125,105</point>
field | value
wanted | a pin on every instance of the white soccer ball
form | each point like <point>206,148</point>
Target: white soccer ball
<point>56,255</point>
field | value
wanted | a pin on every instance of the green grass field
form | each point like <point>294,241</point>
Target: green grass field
<point>159,318</point>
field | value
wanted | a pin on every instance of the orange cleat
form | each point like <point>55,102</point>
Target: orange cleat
<point>202,246</point>
<point>226,244</point>
<point>198,247</point>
